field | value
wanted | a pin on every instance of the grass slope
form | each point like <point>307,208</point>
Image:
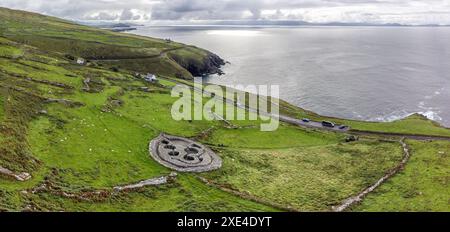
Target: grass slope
<point>2,108</point>
<point>93,145</point>
<point>424,185</point>
<point>129,52</point>
<point>86,128</point>
<point>308,178</point>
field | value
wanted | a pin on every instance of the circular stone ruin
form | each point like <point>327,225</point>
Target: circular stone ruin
<point>183,155</point>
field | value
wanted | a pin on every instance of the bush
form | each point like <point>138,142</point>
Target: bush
<point>70,57</point>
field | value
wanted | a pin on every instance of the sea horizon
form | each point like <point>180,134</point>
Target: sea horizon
<point>429,104</point>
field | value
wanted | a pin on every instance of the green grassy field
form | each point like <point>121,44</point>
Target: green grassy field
<point>2,110</point>
<point>186,195</point>
<point>129,52</point>
<point>312,177</point>
<point>85,128</point>
<point>424,185</point>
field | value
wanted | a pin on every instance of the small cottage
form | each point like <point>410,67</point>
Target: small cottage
<point>81,61</point>
<point>150,78</point>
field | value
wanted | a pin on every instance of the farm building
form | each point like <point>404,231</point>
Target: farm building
<point>150,77</point>
<point>81,61</point>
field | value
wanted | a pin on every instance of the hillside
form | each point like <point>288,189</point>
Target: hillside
<point>71,134</point>
<point>113,50</point>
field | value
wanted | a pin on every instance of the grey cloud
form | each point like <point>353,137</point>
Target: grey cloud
<point>103,16</point>
<point>127,14</point>
<point>392,11</point>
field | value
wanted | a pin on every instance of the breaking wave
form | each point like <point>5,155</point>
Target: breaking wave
<point>430,114</point>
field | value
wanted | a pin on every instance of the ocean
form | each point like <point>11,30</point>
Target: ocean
<point>364,73</point>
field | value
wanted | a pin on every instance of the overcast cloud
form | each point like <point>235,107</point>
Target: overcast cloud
<point>316,11</point>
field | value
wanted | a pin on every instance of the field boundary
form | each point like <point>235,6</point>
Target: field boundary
<point>246,196</point>
<point>363,194</point>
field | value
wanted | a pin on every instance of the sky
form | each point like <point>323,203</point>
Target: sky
<point>412,12</point>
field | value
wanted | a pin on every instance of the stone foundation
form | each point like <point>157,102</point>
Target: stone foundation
<point>183,155</point>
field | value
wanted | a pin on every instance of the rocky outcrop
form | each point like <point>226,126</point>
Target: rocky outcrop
<point>210,64</point>
<point>66,102</point>
<point>149,182</point>
<point>17,176</point>
<point>97,195</point>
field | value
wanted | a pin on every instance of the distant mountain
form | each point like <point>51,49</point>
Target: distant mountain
<point>287,23</point>
<point>103,24</point>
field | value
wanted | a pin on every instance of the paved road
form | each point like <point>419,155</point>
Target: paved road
<point>318,125</point>
<point>312,124</point>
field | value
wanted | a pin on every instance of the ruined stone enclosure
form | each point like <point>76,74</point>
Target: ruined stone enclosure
<point>183,155</point>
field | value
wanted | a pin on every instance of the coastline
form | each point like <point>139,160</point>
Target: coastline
<point>388,118</point>
<point>78,130</point>
<point>251,69</point>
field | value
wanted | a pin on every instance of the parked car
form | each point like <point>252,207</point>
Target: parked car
<point>306,120</point>
<point>343,127</point>
<point>328,124</point>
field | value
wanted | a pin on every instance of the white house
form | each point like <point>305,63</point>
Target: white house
<point>150,77</point>
<point>81,61</point>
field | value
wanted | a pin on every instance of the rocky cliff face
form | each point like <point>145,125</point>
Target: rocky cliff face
<point>206,65</point>
<point>211,65</point>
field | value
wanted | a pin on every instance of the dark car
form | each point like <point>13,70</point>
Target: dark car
<point>343,127</point>
<point>306,120</point>
<point>328,124</point>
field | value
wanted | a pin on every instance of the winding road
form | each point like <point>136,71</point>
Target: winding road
<point>162,53</point>
<point>318,125</point>
<point>360,196</point>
